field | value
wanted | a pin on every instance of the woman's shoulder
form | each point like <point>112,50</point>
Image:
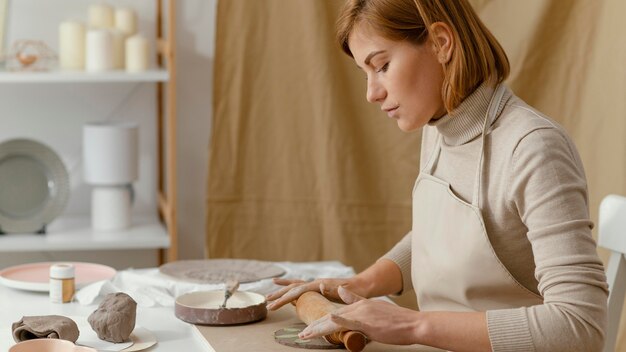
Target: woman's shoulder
<point>519,121</point>
<point>521,118</point>
<point>529,131</point>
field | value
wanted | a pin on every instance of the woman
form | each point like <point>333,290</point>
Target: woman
<point>500,255</point>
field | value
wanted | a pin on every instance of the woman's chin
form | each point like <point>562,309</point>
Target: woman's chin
<point>406,126</point>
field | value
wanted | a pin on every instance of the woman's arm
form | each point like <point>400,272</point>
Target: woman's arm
<point>380,279</point>
<point>547,188</point>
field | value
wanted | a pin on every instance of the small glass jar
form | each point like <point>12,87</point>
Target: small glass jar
<point>61,283</point>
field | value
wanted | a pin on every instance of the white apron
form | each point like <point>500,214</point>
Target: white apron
<point>453,265</point>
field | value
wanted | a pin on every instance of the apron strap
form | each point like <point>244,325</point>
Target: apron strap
<point>434,156</point>
<point>492,111</point>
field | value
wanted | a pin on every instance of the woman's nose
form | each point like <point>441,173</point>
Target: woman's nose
<point>375,91</point>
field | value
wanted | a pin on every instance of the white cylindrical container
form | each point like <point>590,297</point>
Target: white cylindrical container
<point>72,45</point>
<point>126,21</point>
<point>110,208</point>
<point>62,285</point>
<point>99,50</point>
<point>118,48</point>
<point>111,152</point>
<point>137,49</point>
<point>101,16</point>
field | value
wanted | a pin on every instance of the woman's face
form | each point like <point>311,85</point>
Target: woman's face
<point>404,78</point>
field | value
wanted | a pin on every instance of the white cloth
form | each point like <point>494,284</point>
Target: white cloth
<point>150,288</point>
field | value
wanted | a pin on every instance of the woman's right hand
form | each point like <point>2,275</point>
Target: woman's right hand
<point>294,288</point>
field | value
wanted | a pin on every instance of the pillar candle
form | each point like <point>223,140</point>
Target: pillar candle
<point>72,45</point>
<point>137,53</point>
<point>101,16</point>
<point>119,40</point>
<point>99,50</point>
<point>126,21</point>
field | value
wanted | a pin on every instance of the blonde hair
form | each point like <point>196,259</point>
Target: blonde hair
<point>476,57</point>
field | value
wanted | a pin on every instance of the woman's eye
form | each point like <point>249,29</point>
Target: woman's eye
<point>383,68</point>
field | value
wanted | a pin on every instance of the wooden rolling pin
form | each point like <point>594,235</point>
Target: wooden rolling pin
<point>311,306</point>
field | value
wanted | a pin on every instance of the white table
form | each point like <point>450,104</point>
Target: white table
<point>171,333</point>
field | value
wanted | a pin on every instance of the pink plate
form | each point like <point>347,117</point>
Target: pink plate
<point>36,276</point>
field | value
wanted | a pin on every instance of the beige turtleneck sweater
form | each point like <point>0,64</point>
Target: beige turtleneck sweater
<point>535,207</point>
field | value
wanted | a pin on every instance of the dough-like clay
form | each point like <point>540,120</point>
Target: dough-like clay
<point>114,319</point>
<point>47,326</point>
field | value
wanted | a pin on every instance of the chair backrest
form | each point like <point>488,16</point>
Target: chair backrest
<point>612,236</point>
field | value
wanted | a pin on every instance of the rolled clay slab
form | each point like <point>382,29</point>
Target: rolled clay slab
<point>289,337</point>
<point>217,271</point>
<point>203,308</point>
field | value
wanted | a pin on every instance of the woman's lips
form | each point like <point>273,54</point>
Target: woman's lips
<point>392,112</point>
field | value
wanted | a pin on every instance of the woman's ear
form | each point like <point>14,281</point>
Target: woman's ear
<point>443,41</point>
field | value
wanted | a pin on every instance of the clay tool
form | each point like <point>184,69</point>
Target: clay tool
<point>231,287</point>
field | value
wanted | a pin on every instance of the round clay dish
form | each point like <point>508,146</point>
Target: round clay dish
<point>203,308</point>
<point>48,345</point>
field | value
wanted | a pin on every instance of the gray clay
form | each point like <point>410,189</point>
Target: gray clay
<point>47,326</point>
<point>114,320</point>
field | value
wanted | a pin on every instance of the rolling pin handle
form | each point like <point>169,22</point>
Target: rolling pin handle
<point>354,341</point>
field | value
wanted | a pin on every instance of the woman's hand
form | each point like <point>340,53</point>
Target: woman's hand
<point>379,320</point>
<point>294,288</point>
<point>381,278</point>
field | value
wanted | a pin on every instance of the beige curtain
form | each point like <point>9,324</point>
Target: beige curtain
<point>302,168</point>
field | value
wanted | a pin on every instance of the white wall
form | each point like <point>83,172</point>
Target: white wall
<point>196,43</point>
<point>54,114</point>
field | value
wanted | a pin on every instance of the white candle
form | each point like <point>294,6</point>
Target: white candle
<point>137,53</point>
<point>126,21</point>
<point>118,48</point>
<point>101,16</point>
<point>99,50</point>
<point>71,45</point>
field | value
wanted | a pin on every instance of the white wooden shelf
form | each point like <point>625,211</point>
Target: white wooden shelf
<point>67,234</point>
<point>73,234</point>
<point>155,75</point>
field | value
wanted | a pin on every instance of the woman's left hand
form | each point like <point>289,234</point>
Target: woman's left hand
<point>378,320</point>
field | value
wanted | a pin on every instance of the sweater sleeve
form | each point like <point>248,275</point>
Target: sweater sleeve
<point>401,255</point>
<point>547,188</point>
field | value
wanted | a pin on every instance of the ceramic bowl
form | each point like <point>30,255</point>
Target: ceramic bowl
<point>49,345</point>
<point>203,308</point>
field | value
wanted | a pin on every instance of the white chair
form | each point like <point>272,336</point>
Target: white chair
<point>612,236</point>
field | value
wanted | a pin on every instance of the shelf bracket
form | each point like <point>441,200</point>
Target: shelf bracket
<point>163,47</point>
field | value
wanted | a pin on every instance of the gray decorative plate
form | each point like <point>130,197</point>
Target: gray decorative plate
<point>217,271</point>
<point>34,186</point>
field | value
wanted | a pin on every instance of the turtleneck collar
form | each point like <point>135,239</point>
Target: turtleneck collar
<point>466,122</point>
